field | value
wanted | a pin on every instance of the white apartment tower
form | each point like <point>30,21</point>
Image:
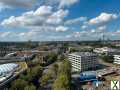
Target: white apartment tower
<point>83,60</point>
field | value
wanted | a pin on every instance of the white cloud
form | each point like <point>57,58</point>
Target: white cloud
<point>77,34</point>
<point>43,10</point>
<point>98,30</point>
<point>18,3</point>
<point>19,36</point>
<point>93,31</point>
<point>57,17</point>
<point>88,34</point>
<point>4,34</point>
<point>43,15</point>
<point>76,20</point>
<point>58,3</point>
<point>61,29</point>
<point>2,7</point>
<point>84,27</point>
<point>68,36</point>
<point>22,34</point>
<point>60,13</point>
<point>8,4</point>
<point>36,23</point>
<point>28,35</point>
<point>64,3</point>
<point>103,18</point>
<point>117,32</point>
<point>101,28</point>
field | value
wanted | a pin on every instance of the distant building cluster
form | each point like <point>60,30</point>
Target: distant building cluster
<point>106,51</point>
<point>110,52</point>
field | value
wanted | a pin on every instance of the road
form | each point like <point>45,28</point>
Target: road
<point>107,64</point>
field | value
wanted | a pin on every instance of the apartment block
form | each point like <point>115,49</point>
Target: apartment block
<point>82,61</point>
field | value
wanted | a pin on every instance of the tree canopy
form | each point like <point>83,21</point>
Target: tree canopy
<point>61,83</point>
<point>30,87</point>
<point>63,80</point>
<point>18,84</point>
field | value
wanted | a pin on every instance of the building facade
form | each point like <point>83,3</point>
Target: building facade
<point>82,61</point>
<point>117,59</point>
<point>106,51</point>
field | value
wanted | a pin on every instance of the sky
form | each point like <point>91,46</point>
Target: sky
<point>59,20</point>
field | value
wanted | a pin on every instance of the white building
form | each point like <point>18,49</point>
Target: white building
<point>6,70</point>
<point>83,60</point>
<point>117,59</point>
<point>106,50</point>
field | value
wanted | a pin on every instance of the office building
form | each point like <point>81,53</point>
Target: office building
<point>83,60</point>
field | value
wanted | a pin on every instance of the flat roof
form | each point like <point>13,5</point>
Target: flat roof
<point>87,73</point>
<point>83,53</point>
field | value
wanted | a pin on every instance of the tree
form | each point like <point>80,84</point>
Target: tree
<point>107,58</point>
<point>44,80</point>
<point>34,63</point>
<point>30,87</point>
<point>35,73</point>
<point>51,58</point>
<point>28,44</point>
<point>40,58</point>
<point>24,77</point>
<point>65,68</point>
<point>54,70</point>
<point>63,80</point>
<point>61,83</point>
<point>73,50</point>
<point>19,84</point>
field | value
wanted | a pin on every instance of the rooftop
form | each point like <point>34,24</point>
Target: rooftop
<point>108,49</point>
<point>88,73</point>
<point>83,53</point>
<point>7,68</point>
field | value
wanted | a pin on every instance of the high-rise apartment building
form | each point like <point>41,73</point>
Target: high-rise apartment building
<point>83,60</point>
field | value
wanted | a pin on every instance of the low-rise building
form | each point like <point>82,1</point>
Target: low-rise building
<point>6,70</point>
<point>82,61</point>
<point>88,76</point>
<point>106,50</point>
<point>117,59</point>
